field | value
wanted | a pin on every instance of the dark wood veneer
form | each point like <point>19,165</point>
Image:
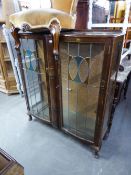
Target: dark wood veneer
<point>112,47</point>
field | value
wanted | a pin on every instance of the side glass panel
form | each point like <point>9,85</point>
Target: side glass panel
<point>35,75</point>
<point>81,69</point>
<point>111,88</point>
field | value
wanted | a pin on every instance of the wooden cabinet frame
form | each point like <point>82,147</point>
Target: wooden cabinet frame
<point>112,44</point>
<point>50,70</point>
<point>110,54</point>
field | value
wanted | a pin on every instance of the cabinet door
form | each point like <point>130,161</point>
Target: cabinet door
<point>81,70</point>
<point>34,67</point>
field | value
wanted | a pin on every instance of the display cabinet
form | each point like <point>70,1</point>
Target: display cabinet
<point>89,63</point>
<point>73,91</point>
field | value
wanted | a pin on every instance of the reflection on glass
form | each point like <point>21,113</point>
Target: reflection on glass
<point>105,11</point>
<point>34,69</point>
<point>81,76</point>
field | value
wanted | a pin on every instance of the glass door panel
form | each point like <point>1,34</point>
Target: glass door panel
<point>81,69</point>
<point>35,76</point>
<point>111,87</point>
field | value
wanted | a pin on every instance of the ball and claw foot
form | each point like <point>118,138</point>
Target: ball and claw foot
<point>30,117</point>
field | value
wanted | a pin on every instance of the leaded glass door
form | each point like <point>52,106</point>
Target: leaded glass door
<point>81,70</point>
<point>34,66</point>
